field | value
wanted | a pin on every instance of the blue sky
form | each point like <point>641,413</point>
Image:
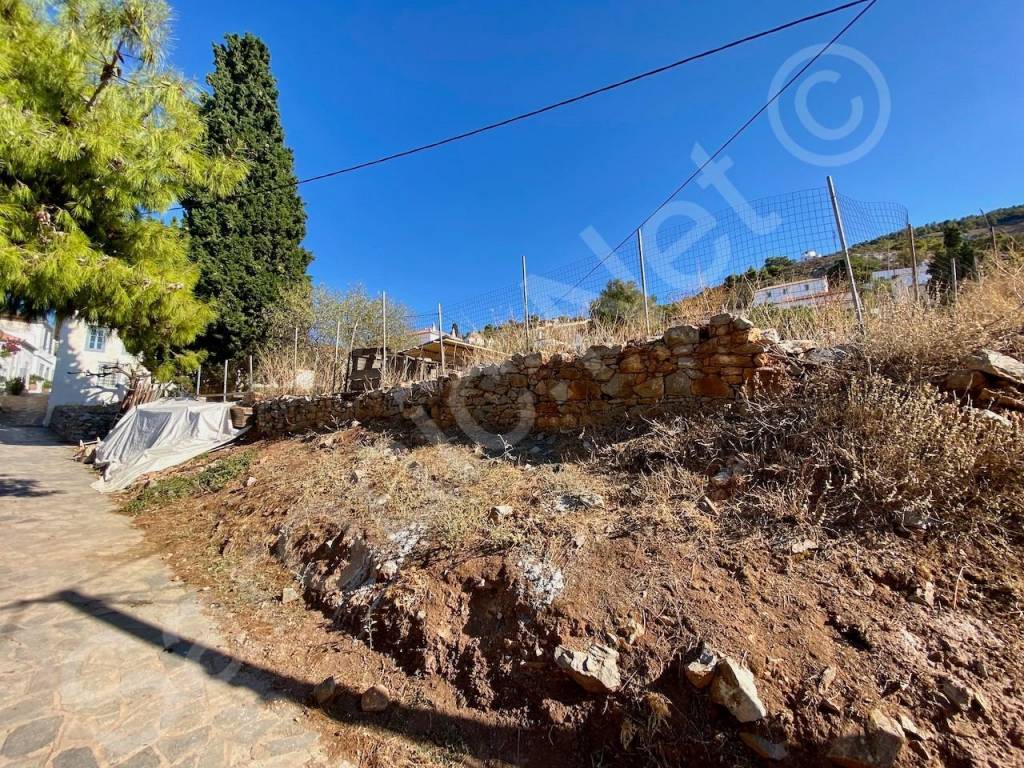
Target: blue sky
<point>362,79</point>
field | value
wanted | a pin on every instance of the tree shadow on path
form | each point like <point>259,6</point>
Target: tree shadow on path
<point>420,724</point>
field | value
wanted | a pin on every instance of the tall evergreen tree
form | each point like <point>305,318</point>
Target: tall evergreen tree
<point>95,137</point>
<point>247,246</point>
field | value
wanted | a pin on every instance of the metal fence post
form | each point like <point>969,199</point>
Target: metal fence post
<point>953,275</point>
<point>643,280</point>
<point>991,231</point>
<point>337,345</point>
<point>199,379</point>
<point>440,335</point>
<point>913,261</point>
<point>846,254</point>
<point>526,307</point>
<point>252,383</point>
<point>226,364</point>
<point>384,342</point>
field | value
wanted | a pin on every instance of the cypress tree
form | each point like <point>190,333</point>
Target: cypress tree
<point>247,246</point>
<point>955,250</point>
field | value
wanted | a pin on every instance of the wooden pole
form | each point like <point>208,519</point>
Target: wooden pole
<point>643,280</point>
<point>526,307</point>
<point>295,360</point>
<point>440,333</point>
<point>846,254</point>
<point>913,262</point>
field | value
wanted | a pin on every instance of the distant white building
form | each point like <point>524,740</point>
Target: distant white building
<point>34,361</point>
<point>902,279</point>
<point>798,293</point>
<point>89,365</point>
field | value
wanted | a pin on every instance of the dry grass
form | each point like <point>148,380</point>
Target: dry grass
<point>847,447</point>
<point>448,491</point>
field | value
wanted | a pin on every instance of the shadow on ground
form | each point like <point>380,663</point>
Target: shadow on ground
<point>419,724</point>
<point>20,486</point>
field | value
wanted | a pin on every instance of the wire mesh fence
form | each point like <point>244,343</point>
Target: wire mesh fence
<point>765,257</point>
<point>688,251</point>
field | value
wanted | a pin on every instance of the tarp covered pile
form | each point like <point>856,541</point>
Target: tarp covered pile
<point>161,434</point>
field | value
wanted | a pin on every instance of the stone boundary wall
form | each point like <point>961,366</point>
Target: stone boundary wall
<point>723,360</point>
<point>72,423</point>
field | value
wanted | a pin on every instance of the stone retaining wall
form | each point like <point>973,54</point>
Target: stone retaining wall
<point>84,422</point>
<point>722,360</point>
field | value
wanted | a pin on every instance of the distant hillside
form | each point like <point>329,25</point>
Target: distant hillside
<point>893,250</point>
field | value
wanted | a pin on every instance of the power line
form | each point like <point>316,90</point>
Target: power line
<point>728,141</point>
<point>559,104</point>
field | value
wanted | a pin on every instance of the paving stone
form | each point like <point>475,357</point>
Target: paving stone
<point>32,736</point>
<point>84,675</point>
<point>147,758</point>
<point>79,757</point>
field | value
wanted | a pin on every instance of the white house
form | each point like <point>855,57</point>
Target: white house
<point>901,280</point>
<point>34,361</point>
<point>799,293</point>
<point>88,371</point>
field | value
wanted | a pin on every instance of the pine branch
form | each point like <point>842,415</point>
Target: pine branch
<point>111,69</point>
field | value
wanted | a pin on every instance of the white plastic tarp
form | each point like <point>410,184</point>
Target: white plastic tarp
<point>161,434</point>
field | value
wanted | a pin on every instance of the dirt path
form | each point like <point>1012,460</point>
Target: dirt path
<point>104,659</point>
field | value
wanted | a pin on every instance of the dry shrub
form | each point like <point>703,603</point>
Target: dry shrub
<point>906,452</point>
<point>848,447</point>
<point>916,341</point>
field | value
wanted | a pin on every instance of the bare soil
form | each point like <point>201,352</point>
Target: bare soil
<point>833,622</point>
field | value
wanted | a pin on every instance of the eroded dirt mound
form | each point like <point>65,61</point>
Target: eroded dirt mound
<point>527,610</point>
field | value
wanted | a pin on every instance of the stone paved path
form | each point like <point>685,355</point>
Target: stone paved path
<point>104,661</point>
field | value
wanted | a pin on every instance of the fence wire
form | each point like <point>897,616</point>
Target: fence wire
<point>688,251</point>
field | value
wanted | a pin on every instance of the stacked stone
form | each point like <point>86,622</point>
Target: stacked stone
<point>725,359</point>
<point>86,423</point>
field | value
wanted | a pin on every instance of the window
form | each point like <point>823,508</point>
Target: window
<point>109,376</point>
<point>96,341</point>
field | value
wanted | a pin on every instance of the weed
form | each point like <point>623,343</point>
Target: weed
<point>209,479</point>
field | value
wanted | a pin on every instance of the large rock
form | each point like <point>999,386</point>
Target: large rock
<point>596,670</point>
<point>998,365</point>
<point>735,690</point>
<point>876,745</point>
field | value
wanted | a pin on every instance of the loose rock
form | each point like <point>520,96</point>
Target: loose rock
<point>998,365</point>
<point>701,671</point>
<point>876,745</point>
<point>324,691</point>
<point>375,699</point>
<point>596,671</point>
<point>289,595</point>
<point>735,690</point>
<point>769,750</point>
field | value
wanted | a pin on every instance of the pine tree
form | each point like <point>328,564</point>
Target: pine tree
<point>247,246</point>
<point>95,138</point>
